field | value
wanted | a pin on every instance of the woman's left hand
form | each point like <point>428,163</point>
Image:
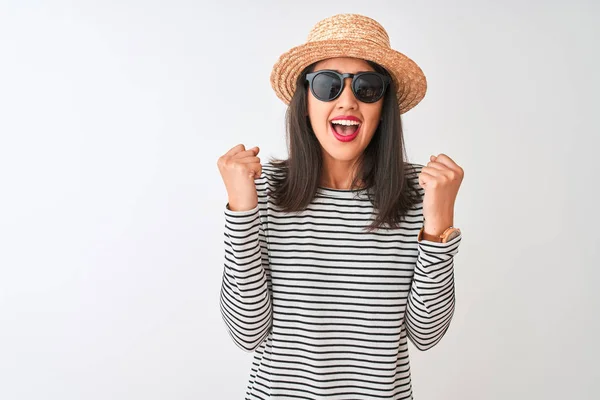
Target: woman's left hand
<point>440,179</point>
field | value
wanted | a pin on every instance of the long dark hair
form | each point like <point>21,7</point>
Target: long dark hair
<point>381,167</point>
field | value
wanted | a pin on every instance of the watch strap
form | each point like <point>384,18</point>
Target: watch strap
<point>444,237</point>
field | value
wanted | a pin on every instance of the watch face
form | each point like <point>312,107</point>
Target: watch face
<point>453,234</point>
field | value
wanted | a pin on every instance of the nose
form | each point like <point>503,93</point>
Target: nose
<point>346,99</point>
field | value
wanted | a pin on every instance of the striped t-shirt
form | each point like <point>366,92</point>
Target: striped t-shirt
<point>326,306</point>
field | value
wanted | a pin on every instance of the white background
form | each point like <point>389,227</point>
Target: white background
<point>113,115</point>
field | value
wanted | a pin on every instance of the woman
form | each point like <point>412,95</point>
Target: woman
<point>337,256</point>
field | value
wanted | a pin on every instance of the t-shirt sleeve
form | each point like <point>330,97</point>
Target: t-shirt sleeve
<point>245,299</point>
<point>431,299</point>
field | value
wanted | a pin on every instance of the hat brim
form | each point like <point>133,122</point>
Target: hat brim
<point>408,77</point>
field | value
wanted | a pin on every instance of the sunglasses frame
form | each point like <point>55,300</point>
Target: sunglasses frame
<point>311,76</point>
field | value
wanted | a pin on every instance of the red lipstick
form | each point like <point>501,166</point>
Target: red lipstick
<point>347,138</point>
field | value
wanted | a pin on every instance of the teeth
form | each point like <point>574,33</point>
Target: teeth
<point>345,122</point>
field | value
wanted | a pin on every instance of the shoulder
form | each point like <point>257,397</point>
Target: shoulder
<point>271,170</point>
<point>412,176</point>
<point>412,171</point>
<point>271,173</point>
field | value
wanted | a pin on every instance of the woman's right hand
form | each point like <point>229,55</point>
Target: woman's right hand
<point>239,167</point>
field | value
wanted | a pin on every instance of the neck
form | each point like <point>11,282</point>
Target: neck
<point>339,175</point>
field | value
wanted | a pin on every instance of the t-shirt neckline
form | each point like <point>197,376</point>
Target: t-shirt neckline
<point>343,193</point>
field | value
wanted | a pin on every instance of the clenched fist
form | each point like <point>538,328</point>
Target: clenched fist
<point>440,180</point>
<point>239,167</point>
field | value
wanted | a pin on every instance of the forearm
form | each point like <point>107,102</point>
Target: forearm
<point>434,226</point>
<point>431,299</point>
<point>245,298</point>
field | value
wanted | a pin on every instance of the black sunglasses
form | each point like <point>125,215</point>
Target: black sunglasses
<point>327,85</point>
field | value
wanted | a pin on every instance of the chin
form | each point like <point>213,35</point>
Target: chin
<point>343,155</point>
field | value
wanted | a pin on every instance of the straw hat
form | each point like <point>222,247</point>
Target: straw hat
<point>350,35</point>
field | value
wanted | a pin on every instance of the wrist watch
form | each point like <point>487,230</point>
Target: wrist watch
<point>446,236</point>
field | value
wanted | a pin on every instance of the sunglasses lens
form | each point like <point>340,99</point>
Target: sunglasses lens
<point>368,88</point>
<point>326,86</point>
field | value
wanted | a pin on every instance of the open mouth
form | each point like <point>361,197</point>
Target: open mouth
<point>345,130</point>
